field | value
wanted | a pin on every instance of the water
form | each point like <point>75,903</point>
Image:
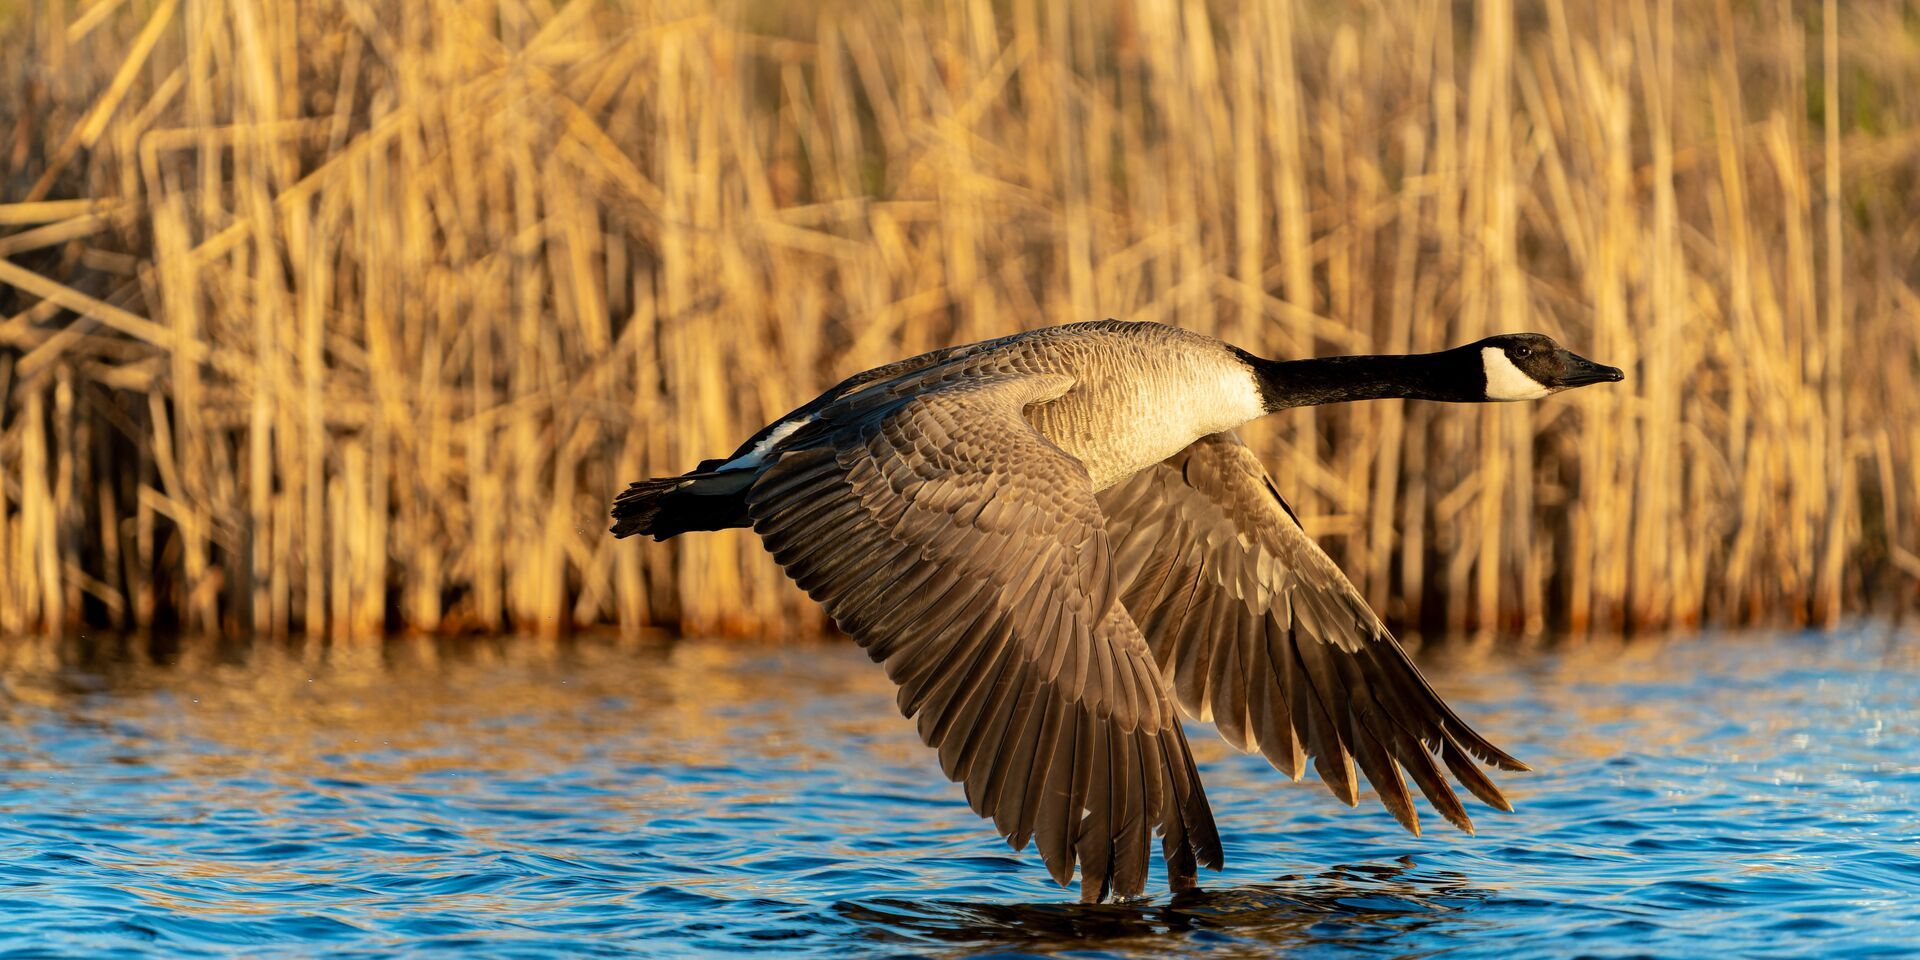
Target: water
<point>1749,795</point>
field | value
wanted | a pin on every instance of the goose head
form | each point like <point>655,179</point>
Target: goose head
<point>1528,366</point>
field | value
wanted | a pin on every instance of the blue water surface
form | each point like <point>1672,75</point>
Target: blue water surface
<point>1738,794</point>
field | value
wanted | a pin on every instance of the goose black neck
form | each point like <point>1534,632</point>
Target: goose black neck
<point>1420,376</point>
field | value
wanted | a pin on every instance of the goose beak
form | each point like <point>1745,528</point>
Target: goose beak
<point>1578,371</point>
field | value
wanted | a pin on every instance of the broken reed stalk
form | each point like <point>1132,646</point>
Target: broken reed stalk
<point>338,317</point>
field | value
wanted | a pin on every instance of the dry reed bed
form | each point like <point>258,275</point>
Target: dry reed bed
<point>344,315</point>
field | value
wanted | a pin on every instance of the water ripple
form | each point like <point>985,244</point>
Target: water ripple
<point>594,798</point>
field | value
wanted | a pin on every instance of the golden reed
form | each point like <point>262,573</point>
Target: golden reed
<point>342,316</point>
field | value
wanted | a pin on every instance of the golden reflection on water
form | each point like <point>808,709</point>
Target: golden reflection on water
<point>391,711</point>
<point>250,725</point>
<point>298,703</point>
<point>289,704</point>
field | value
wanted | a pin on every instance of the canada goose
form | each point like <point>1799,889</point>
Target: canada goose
<point>1054,538</point>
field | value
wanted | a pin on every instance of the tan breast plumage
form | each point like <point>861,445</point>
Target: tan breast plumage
<point>1137,402</point>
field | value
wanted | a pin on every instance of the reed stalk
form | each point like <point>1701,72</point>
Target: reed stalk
<point>341,316</point>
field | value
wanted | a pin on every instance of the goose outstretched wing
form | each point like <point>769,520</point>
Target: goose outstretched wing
<point>1259,632</point>
<point>966,553</point>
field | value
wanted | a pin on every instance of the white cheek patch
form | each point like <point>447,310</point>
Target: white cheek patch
<point>1506,381</point>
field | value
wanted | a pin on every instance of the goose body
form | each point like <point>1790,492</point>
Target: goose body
<point>1056,546</point>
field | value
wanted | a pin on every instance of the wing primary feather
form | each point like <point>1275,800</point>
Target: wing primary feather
<point>834,553</point>
<point>1420,765</point>
<point>852,605</point>
<point>1373,743</point>
<point>1045,749</point>
<point>1279,743</point>
<point>1144,745</point>
<point>1053,813</point>
<point>1470,776</point>
<point>808,514</point>
<point>998,748</point>
<point>1226,691</point>
<point>1383,773</point>
<point>1087,729</point>
<point>982,723</point>
<point>1392,661</point>
<point>915,663</point>
<point>942,684</point>
<point>1191,671</point>
<point>792,472</point>
<point>1331,756</point>
<point>942,598</point>
<point>1176,844</point>
<point>1199,813</point>
<point>1093,836</point>
<point>903,586</point>
<point>1266,707</point>
<point>960,713</point>
<point>1128,820</point>
<point>916,656</point>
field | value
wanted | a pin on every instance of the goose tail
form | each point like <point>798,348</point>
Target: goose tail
<point>665,507</point>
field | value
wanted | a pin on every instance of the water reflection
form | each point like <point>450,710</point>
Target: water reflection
<point>593,795</point>
<point>1369,909</point>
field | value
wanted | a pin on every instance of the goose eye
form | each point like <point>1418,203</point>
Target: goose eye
<point>1522,353</point>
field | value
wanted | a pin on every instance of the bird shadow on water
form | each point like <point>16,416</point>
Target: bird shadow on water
<point>1374,908</point>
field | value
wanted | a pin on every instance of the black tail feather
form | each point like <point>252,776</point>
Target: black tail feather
<point>668,506</point>
<point>637,509</point>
